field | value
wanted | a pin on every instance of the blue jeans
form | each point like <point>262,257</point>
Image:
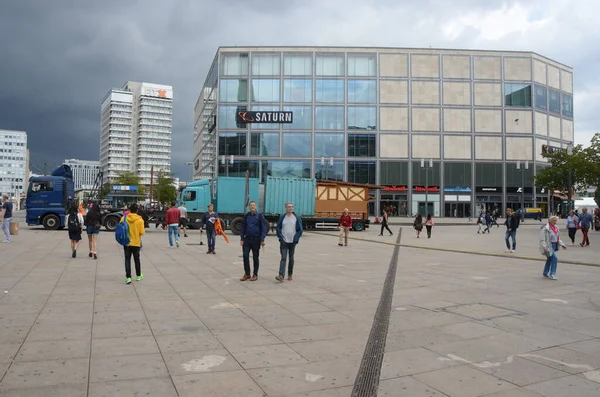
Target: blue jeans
<point>211,236</point>
<point>512,235</point>
<point>551,262</point>
<point>6,228</point>
<point>286,249</point>
<point>173,231</point>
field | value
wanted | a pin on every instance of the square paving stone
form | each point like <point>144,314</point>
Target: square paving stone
<point>413,361</point>
<point>14,320</point>
<point>567,386</point>
<point>190,362</point>
<point>124,346</point>
<point>521,372</point>
<point>49,391</point>
<point>478,311</point>
<point>188,342</point>
<point>334,392</point>
<point>406,386</point>
<point>267,356</point>
<point>119,316</point>
<point>54,350</point>
<point>470,330</point>
<point>8,351</point>
<point>330,349</point>
<point>159,387</point>
<point>233,339</point>
<point>47,332</point>
<point>514,393</point>
<point>565,360</point>
<point>463,381</point>
<point>301,334</point>
<point>232,324</point>
<point>111,330</point>
<point>105,369</point>
<point>46,373</point>
<point>217,384</point>
<point>590,346</point>
<point>177,327</point>
<point>14,334</point>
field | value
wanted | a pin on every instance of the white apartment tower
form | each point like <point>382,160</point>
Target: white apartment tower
<point>84,172</point>
<point>136,130</point>
<point>13,163</point>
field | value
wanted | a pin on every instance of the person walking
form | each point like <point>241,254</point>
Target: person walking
<point>512,224</point>
<point>550,242</point>
<point>289,231</point>
<point>488,222</point>
<point>585,221</point>
<point>344,226</point>
<point>572,225</point>
<point>136,231</point>
<point>418,224</point>
<point>172,220</point>
<point>254,231</point>
<point>429,223</point>
<point>183,219</point>
<point>74,221</point>
<point>384,223</point>
<point>92,224</point>
<point>6,217</point>
<point>209,220</point>
<point>480,222</point>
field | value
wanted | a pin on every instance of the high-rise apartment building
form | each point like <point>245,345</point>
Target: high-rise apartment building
<point>13,163</point>
<point>84,172</point>
<point>136,130</point>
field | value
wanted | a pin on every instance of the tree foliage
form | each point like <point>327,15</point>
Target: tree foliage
<point>584,162</point>
<point>164,189</point>
<point>129,178</point>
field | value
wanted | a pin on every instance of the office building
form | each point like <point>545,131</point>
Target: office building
<point>446,132</point>
<point>13,164</point>
<point>135,131</point>
<point>84,173</point>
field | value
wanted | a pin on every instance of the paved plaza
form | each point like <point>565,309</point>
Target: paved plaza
<point>462,324</point>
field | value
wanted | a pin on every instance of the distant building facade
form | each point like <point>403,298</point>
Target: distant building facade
<point>84,172</point>
<point>135,130</point>
<point>13,164</point>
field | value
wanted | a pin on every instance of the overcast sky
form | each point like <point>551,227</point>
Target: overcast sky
<point>60,57</point>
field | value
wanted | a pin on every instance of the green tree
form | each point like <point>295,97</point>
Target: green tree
<point>164,189</point>
<point>128,178</point>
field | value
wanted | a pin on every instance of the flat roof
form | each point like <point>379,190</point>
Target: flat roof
<point>389,49</point>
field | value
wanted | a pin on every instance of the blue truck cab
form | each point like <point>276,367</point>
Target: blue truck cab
<point>47,198</point>
<point>227,194</point>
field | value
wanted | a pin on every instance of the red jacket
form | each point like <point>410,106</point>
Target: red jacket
<point>345,221</point>
<point>173,216</point>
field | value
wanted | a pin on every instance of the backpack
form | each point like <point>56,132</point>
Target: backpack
<point>122,232</point>
<point>73,225</point>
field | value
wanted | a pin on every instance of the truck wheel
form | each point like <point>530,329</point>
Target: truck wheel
<point>359,226</point>
<point>51,222</point>
<point>236,226</point>
<point>111,223</point>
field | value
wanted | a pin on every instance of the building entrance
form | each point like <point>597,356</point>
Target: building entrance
<point>425,208</point>
<point>394,204</point>
<point>457,210</point>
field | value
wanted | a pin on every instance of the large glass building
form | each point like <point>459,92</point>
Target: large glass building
<point>446,132</point>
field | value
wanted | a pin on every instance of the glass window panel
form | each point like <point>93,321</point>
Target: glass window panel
<point>238,168</point>
<point>227,117</point>
<point>297,144</point>
<point>553,101</point>
<point>361,145</point>
<point>426,175</point>
<point>232,143</point>
<point>330,65</point>
<point>264,144</point>
<point>362,65</point>
<point>567,105</point>
<point>233,90</point>
<point>265,126</point>
<point>302,118</point>
<point>266,64</point>
<point>297,64</point>
<point>362,91</point>
<point>517,94</point>
<point>541,97</point>
<point>362,118</point>
<point>393,173</point>
<point>329,171</point>
<point>361,172</point>
<point>329,145</point>
<point>297,90</point>
<point>328,90</point>
<point>234,64</point>
<point>519,177</point>
<point>457,174</point>
<point>265,90</point>
<point>329,118</point>
<point>289,169</point>
<point>488,175</point>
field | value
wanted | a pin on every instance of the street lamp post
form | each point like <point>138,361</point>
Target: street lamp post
<point>526,167</point>
<point>424,165</point>
<point>570,179</point>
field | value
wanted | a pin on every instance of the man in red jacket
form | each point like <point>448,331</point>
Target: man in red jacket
<point>344,226</point>
<point>172,221</point>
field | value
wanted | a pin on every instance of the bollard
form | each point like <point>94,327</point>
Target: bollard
<point>201,232</point>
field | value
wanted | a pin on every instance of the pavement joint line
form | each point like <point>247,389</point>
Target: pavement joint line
<point>454,250</point>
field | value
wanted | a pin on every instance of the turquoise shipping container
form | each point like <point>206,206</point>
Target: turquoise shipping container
<point>230,194</point>
<point>300,191</point>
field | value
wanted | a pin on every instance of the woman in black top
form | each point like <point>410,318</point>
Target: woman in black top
<point>384,223</point>
<point>418,224</point>
<point>92,223</point>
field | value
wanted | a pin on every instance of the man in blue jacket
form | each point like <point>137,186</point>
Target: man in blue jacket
<point>254,230</point>
<point>289,231</point>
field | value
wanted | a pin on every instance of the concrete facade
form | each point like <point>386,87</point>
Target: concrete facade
<point>388,107</point>
<point>14,164</point>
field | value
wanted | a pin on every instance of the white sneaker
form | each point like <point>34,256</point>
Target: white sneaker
<point>177,242</point>
<point>170,246</point>
<point>512,251</point>
<point>553,277</point>
<point>507,251</point>
<point>6,241</point>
